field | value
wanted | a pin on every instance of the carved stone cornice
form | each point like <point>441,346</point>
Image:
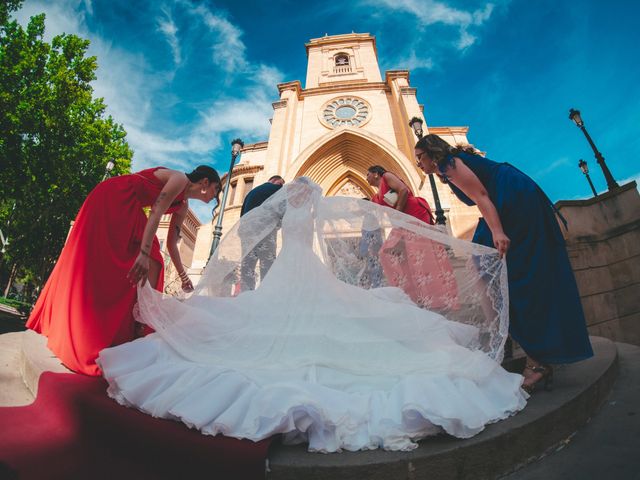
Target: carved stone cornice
<point>279,104</point>
<point>241,170</point>
<point>295,85</point>
<point>250,147</point>
<point>391,75</point>
<point>349,38</point>
<point>350,86</point>
<point>408,91</point>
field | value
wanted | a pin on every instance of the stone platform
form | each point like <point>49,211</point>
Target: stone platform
<point>547,423</point>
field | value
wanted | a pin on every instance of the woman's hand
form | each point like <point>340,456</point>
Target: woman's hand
<point>140,269</point>
<point>501,242</point>
<point>187,286</point>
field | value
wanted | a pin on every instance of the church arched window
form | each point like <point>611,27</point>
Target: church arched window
<point>342,63</point>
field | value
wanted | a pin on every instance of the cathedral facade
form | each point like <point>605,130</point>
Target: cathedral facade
<point>347,118</point>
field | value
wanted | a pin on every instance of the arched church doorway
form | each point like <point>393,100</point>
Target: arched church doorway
<point>339,161</point>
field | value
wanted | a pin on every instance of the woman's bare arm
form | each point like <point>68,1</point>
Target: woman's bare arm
<point>400,188</point>
<point>175,227</point>
<point>175,183</point>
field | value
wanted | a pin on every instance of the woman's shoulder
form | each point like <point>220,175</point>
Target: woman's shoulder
<point>388,175</point>
<point>159,173</point>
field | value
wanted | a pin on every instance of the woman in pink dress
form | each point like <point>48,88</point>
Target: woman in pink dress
<point>87,302</point>
<point>430,282</point>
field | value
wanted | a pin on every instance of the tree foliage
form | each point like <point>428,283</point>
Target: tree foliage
<point>55,141</point>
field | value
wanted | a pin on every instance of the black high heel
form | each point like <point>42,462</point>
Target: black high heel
<point>546,380</point>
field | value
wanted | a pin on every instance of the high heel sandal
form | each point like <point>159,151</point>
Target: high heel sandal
<point>547,375</point>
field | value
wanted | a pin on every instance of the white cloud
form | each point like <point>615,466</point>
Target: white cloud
<point>88,4</point>
<point>121,80</point>
<point>226,42</point>
<point>167,26</point>
<point>61,17</point>
<point>414,60</point>
<point>132,89</point>
<point>430,12</point>
<point>561,162</point>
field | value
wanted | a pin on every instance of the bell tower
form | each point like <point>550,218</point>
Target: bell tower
<point>336,59</point>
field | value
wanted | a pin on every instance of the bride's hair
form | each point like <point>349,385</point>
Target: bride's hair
<point>436,148</point>
<point>204,171</point>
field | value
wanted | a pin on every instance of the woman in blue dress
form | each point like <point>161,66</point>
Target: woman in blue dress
<point>519,220</point>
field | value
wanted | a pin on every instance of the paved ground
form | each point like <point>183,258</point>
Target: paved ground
<point>607,448</point>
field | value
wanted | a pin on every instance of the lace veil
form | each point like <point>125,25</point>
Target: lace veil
<point>319,257</point>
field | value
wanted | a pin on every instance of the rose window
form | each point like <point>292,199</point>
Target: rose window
<point>345,111</point>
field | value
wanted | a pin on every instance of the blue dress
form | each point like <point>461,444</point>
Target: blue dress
<point>546,316</point>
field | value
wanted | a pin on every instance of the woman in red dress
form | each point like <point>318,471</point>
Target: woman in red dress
<point>417,265</point>
<point>87,302</point>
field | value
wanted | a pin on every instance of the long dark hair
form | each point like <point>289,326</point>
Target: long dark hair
<point>436,148</point>
<point>204,171</point>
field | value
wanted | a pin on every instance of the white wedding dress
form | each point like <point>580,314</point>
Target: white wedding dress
<point>311,357</point>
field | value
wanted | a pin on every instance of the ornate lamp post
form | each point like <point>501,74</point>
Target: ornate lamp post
<point>236,145</point>
<point>585,169</point>
<point>107,169</point>
<point>416,124</point>
<point>575,116</point>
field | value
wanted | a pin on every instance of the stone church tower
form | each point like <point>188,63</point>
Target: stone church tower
<point>345,119</point>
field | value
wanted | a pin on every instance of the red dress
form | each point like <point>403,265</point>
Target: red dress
<point>419,266</point>
<point>87,302</point>
<point>415,206</point>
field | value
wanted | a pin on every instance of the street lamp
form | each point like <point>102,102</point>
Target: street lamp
<point>416,124</point>
<point>575,116</point>
<point>585,169</point>
<point>236,145</point>
<point>107,169</point>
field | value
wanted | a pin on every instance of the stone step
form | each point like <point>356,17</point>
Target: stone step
<point>13,390</point>
<point>549,419</point>
<point>36,358</point>
<point>606,448</point>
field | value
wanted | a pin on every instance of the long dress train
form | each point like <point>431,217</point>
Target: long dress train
<point>309,356</point>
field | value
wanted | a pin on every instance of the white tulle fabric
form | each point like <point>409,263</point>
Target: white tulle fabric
<point>324,351</point>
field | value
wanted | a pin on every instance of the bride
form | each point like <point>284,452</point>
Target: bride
<point>313,355</point>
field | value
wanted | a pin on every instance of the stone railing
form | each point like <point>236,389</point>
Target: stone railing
<point>603,242</point>
<point>342,69</point>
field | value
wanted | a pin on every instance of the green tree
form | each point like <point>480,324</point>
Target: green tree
<point>55,142</point>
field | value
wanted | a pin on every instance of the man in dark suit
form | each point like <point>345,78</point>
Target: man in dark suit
<point>258,195</point>
<point>264,251</point>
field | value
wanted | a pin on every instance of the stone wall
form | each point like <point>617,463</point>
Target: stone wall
<point>603,242</point>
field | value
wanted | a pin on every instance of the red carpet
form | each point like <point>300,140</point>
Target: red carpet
<point>73,430</point>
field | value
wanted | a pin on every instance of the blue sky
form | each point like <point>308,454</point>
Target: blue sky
<point>185,77</point>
